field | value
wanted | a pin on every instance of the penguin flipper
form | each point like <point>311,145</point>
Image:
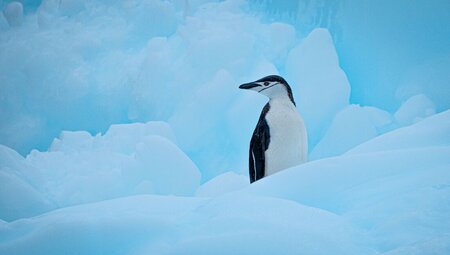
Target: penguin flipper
<point>258,146</point>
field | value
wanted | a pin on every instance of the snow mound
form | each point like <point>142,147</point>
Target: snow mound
<point>414,109</point>
<point>223,184</point>
<point>432,131</point>
<point>19,198</point>
<point>319,84</point>
<point>85,65</point>
<point>13,13</point>
<point>79,168</point>
<point>350,127</point>
<point>134,189</point>
<point>120,224</point>
<point>357,203</point>
<point>397,197</point>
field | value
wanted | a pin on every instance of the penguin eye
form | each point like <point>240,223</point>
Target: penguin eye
<point>266,83</point>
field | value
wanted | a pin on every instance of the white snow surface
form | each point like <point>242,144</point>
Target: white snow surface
<point>79,168</point>
<point>387,196</point>
<point>152,133</point>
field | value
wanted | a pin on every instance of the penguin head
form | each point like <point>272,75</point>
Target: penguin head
<point>272,86</point>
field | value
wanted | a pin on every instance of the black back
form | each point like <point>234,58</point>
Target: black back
<point>258,146</point>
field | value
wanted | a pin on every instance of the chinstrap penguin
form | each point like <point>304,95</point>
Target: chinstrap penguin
<point>279,140</point>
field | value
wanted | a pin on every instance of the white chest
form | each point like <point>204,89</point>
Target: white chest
<point>288,139</point>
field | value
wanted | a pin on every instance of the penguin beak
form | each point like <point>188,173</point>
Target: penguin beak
<point>249,85</point>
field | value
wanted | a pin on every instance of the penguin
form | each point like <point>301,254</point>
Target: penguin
<point>279,140</point>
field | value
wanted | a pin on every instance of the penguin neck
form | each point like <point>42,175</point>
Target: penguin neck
<point>282,100</point>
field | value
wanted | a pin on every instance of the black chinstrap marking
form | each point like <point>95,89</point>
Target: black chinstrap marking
<point>268,87</point>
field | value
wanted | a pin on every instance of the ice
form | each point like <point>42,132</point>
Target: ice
<point>116,66</point>
<point>313,66</point>
<point>350,127</point>
<point>129,159</point>
<point>124,137</point>
<point>281,39</point>
<point>152,18</point>
<point>245,226</point>
<point>432,131</point>
<point>122,224</point>
<point>200,128</point>
<point>435,246</point>
<point>414,109</point>
<point>355,125</point>
<point>72,141</point>
<point>222,184</point>
<point>408,48</point>
<point>18,197</point>
<point>71,7</point>
<point>13,13</point>
<point>398,204</point>
<point>369,202</point>
<point>169,169</point>
<point>123,130</point>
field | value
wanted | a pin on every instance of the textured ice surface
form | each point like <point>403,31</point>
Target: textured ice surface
<point>422,134</point>
<point>369,202</point>
<point>129,159</point>
<point>311,67</point>
<point>350,127</point>
<point>85,65</point>
<point>414,109</point>
<point>19,197</point>
<point>223,184</point>
<point>166,73</point>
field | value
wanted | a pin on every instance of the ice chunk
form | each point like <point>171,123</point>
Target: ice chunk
<point>432,131</point>
<point>71,7</point>
<point>129,159</point>
<point>429,78</point>
<point>280,41</point>
<point>171,171</point>
<point>241,224</point>
<point>434,246</point>
<point>222,184</point>
<point>124,137</point>
<point>350,127</point>
<point>124,224</point>
<point>200,124</point>
<point>356,203</point>
<point>319,84</point>
<point>414,109</point>
<point>72,141</point>
<point>398,197</point>
<point>3,22</point>
<point>13,13</point>
<point>18,197</point>
<point>151,18</point>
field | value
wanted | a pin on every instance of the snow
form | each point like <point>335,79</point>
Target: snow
<point>313,66</point>
<point>414,109</point>
<point>369,202</point>
<point>422,134</point>
<point>123,130</point>
<point>138,158</point>
<point>16,177</point>
<point>222,184</point>
<point>121,223</point>
<point>352,126</point>
<point>13,13</point>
